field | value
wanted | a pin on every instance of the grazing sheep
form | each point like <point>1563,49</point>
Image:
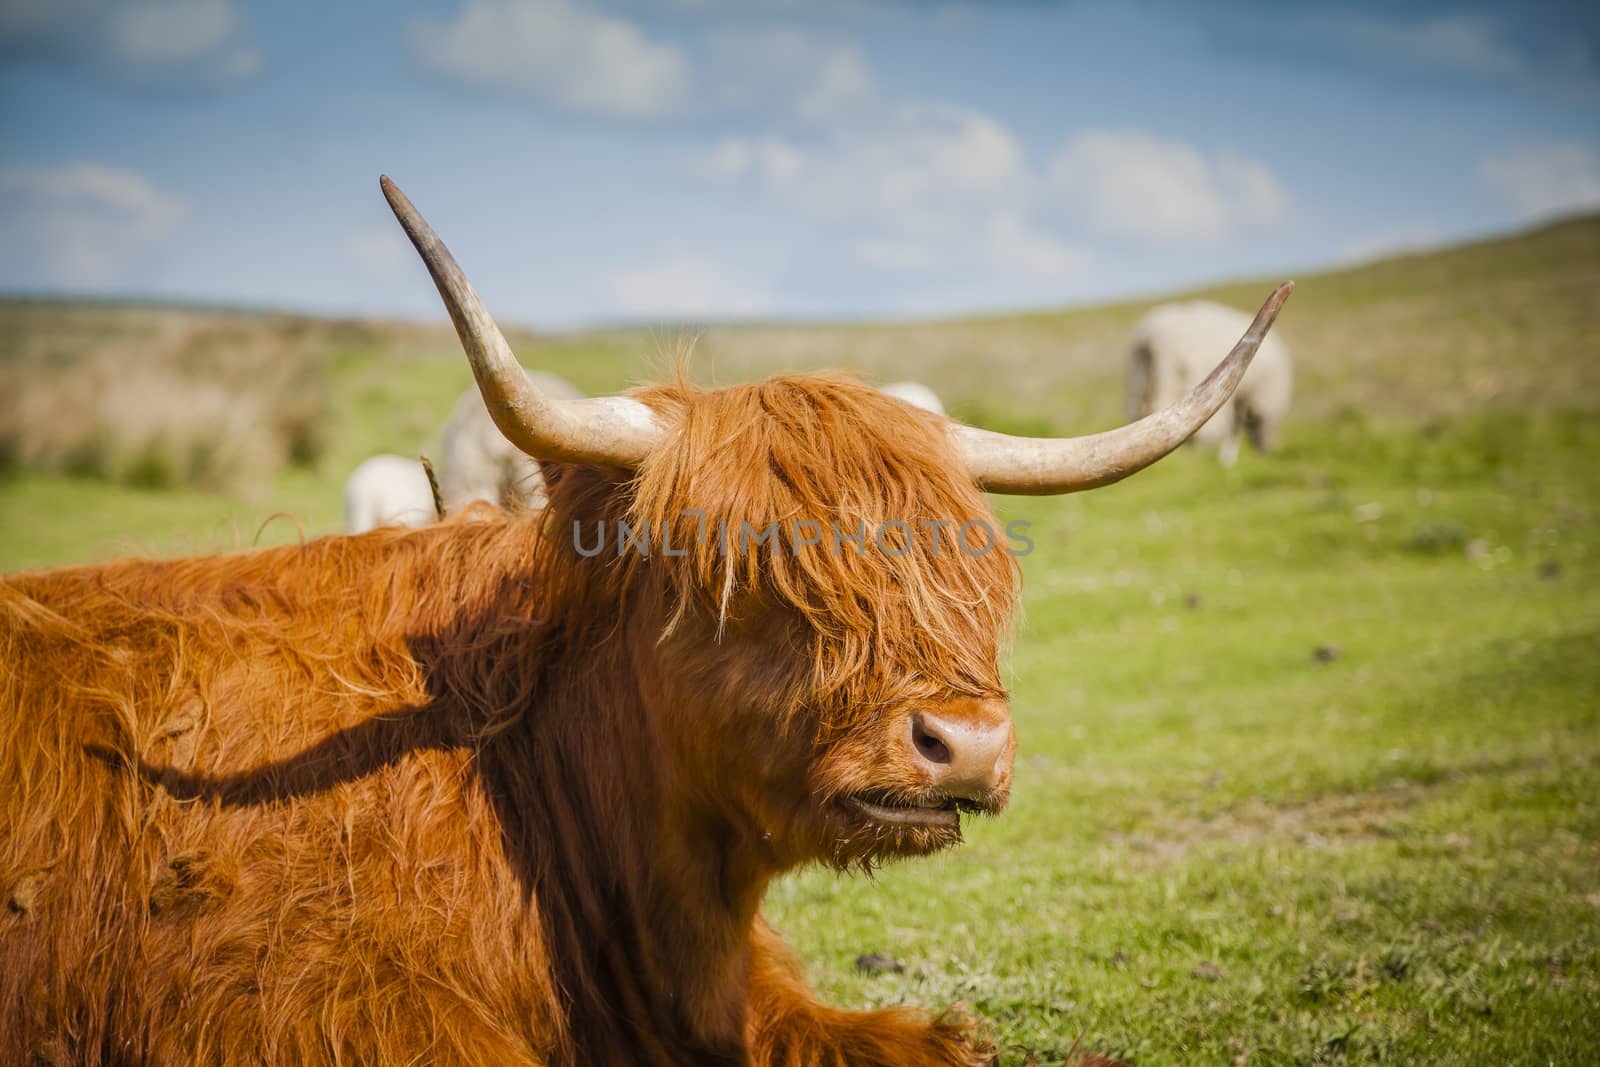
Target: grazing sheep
<point>1172,350</point>
<point>916,394</point>
<point>387,490</point>
<point>480,464</point>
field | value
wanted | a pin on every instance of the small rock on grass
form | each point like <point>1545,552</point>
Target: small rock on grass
<point>1325,653</point>
<point>873,963</point>
<point>1206,970</point>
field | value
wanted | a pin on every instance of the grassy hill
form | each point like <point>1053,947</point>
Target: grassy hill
<point>246,415</point>
<point>1508,324</point>
<point>1310,749</point>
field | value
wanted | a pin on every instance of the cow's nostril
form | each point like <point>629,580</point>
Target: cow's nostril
<point>928,743</point>
<point>963,750</point>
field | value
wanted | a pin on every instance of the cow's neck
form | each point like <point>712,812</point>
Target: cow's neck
<point>646,904</point>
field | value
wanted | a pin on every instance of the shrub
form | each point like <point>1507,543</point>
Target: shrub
<point>160,399</point>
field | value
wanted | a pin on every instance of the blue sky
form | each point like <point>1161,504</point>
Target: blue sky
<point>696,159</point>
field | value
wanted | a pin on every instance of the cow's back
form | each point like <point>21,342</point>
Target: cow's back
<point>235,826</point>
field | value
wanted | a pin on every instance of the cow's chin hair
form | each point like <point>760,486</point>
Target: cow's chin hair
<point>861,844</point>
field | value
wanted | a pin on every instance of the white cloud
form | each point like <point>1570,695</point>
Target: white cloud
<point>1468,44</point>
<point>997,242</point>
<point>558,51</point>
<point>771,162</point>
<point>1476,45</point>
<point>88,224</point>
<point>687,287</point>
<point>835,9</point>
<point>172,31</point>
<point>906,187</point>
<point>1459,42</point>
<point>776,7</point>
<point>912,165</point>
<point>1256,195</point>
<point>1549,179</point>
<point>1016,246</point>
<point>816,77</point>
<point>1134,184</point>
<point>140,38</point>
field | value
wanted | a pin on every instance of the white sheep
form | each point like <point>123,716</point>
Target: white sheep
<point>387,490</point>
<point>916,394</point>
<point>478,463</point>
<point>1174,346</point>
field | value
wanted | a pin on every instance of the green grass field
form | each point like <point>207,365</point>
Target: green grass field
<point>1223,850</point>
<point>1310,749</point>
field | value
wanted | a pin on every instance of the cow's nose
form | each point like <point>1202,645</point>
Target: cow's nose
<point>966,749</point>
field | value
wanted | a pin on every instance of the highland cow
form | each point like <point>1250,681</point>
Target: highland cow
<point>463,795</point>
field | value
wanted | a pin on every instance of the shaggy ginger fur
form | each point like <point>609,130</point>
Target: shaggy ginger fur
<point>461,796</point>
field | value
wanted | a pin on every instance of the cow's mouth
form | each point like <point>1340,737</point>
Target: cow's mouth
<point>930,812</point>
<point>877,825</point>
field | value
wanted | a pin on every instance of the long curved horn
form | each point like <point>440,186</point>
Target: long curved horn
<point>611,431</point>
<point>1042,466</point>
